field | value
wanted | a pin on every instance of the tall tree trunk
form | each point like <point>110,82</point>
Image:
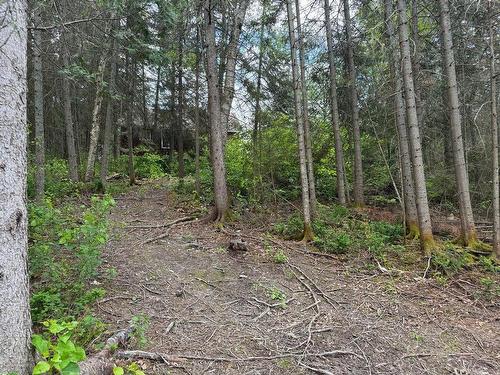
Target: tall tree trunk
<point>297,93</point>
<point>469,235</point>
<point>180,108</point>
<point>416,61</point>
<point>173,114</point>
<point>215,119</point>
<point>38,101</point>
<point>131,75</point>
<point>411,216</point>
<point>157,97</point>
<point>424,217</point>
<point>305,114</point>
<point>96,119</point>
<point>109,125</point>
<point>197,115</point>
<point>334,111</point>
<point>68,117</point>
<point>494,134</point>
<point>359,199</point>
<point>15,321</point>
<point>230,66</point>
<point>145,122</point>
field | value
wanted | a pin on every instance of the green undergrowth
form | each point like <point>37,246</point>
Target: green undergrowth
<point>339,230</point>
<point>65,243</point>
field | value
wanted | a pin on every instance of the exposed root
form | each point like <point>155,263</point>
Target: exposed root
<point>169,225</point>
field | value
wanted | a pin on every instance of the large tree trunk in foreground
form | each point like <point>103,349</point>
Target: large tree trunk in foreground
<point>15,322</point>
<point>359,199</point>
<point>424,217</point>
<point>411,216</point>
<point>305,114</point>
<point>96,119</point>
<point>334,111</point>
<point>297,93</point>
<point>494,136</point>
<point>214,113</point>
<point>38,99</point>
<point>108,127</point>
<point>416,62</point>
<point>469,235</point>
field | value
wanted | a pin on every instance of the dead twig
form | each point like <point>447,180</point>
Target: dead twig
<point>169,225</point>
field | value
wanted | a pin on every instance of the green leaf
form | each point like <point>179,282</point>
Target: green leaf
<point>71,369</point>
<point>41,368</point>
<point>118,370</point>
<point>41,345</point>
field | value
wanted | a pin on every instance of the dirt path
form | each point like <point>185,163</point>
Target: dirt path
<point>312,313</point>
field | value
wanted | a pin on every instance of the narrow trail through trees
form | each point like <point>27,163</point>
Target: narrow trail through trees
<point>213,310</point>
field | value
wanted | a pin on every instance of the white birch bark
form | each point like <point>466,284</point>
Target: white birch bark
<point>15,322</point>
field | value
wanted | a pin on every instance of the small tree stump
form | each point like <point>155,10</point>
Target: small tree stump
<point>238,245</point>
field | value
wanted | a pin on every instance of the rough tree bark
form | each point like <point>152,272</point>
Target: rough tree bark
<point>359,199</point>
<point>230,65</point>
<point>469,234</point>
<point>15,322</point>
<point>416,61</point>
<point>96,119</point>
<point>424,217</point>
<point>297,93</point>
<point>157,97</point>
<point>197,182</point>
<point>38,99</point>
<point>494,133</point>
<point>68,116</point>
<point>305,114</point>
<point>108,127</point>
<point>215,118</point>
<point>334,111</point>
<point>411,216</point>
<point>180,106</point>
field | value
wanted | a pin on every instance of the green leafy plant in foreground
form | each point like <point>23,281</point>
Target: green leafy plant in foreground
<point>59,353</point>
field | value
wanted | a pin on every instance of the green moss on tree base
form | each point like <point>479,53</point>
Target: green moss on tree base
<point>413,231</point>
<point>308,233</point>
<point>429,244</point>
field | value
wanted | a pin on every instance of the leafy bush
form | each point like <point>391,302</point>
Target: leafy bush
<point>57,349</point>
<point>64,254</point>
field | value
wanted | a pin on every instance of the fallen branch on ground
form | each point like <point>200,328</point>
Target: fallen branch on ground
<point>163,357</point>
<point>169,225</point>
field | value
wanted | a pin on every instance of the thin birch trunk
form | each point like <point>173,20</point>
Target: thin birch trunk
<point>297,93</point>
<point>494,134</point>
<point>424,217</point>
<point>334,111</point>
<point>96,119</point>
<point>39,107</point>
<point>469,234</point>
<point>411,216</point>
<point>305,114</point>
<point>359,199</point>
<point>15,322</point>
<point>215,118</point>
<point>108,127</point>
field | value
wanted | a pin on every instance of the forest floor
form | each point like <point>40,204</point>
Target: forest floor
<point>241,312</point>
